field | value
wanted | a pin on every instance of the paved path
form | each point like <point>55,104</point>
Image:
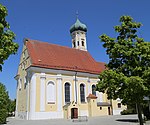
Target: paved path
<point>102,120</point>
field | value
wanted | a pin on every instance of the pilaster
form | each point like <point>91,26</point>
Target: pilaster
<point>59,92</point>
<point>16,112</point>
<point>89,86</point>
<point>76,99</point>
<point>42,91</point>
<point>33,96</point>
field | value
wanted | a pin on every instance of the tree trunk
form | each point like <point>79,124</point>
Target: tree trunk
<point>139,113</point>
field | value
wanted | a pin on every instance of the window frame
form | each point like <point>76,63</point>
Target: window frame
<point>82,93</point>
<point>67,93</point>
<point>78,43</point>
<point>51,91</point>
<point>83,44</point>
<point>119,105</point>
<point>94,92</point>
<point>74,44</point>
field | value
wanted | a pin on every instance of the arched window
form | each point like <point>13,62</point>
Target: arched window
<point>82,43</point>
<point>82,92</point>
<point>25,82</point>
<point>78,43</point>
<point>119,105</point>
<point>93,90</point>
<point>20,84</point>
<point>67,92</point>
<point>51,92</point>
<point>74,44</point>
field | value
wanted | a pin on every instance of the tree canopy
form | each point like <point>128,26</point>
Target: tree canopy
<point>128,72</point>
<point>7,45</point>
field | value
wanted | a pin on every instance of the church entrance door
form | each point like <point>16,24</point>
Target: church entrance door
<point>74,113</point>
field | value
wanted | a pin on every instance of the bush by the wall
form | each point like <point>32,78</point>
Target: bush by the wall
<point>128,111</point>
<point>146,112</point>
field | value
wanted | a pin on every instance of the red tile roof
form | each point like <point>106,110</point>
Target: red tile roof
<point>53,56</point>
<point>102,65</point>
<point>91,96</point>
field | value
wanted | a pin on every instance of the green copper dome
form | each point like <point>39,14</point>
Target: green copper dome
<point>78,26</point>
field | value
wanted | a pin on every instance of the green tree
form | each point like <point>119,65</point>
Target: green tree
<point>4,99</point>
<point>7,46</point>
<point>11,107</point>
<point>128,72</point>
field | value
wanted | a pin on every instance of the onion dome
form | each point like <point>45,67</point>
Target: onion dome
<point>78,26</point>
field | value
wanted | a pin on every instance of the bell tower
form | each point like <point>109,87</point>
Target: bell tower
<point>78,34</point>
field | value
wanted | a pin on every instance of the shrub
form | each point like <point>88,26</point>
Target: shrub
<point>128,111</point>
<point>4,100</point>
<point>146,112</point>
<point>3,116</point>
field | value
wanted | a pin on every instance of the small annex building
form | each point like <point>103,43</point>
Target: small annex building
<point>55,81</point>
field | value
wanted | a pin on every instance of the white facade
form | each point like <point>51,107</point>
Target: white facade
<point>32,114</point>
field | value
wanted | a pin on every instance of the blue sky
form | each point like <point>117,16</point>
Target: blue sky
<point>50,21</point>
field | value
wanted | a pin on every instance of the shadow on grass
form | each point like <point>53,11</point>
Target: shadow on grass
<point>127,120</point>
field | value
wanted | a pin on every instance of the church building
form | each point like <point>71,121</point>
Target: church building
<point>55,81</point>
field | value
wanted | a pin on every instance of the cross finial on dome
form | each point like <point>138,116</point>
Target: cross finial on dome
<point>77,14</point>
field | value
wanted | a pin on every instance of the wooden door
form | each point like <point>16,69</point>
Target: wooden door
<point>74,113</point>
